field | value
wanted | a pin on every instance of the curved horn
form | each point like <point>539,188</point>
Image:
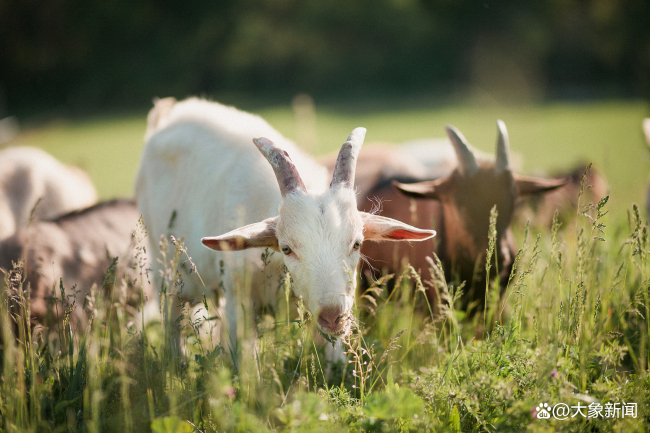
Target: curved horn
<point>503,148</point>
<point>466,162</point>
<point>346,163</point>
<point>286,173</point>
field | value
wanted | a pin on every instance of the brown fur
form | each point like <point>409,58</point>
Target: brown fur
<point>389,257</point>
<point>458,208</point>
<point>77,248</point>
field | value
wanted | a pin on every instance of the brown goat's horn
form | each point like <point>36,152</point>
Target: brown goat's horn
<point>288,178</point>
<point>503,148</point>
<point>346,163</point>
<point>466,162</point>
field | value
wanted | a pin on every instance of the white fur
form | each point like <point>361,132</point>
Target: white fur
<point>200,161</point>
<point>321,230</point>
<point>27,174</point>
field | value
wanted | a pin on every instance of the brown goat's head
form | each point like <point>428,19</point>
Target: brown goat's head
<point>467,196</point>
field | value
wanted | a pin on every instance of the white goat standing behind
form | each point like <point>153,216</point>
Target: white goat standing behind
<point>199,164</point>
<point>28,174</point>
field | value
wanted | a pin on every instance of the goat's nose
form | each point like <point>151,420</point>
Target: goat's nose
<point>330,317</point>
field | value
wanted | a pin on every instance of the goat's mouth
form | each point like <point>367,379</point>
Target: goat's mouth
<point>339,329</point>
<point>332,337</point>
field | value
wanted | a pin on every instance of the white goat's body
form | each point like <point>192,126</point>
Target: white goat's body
<point>200,163</point>
<point>27,174</point>
<point>201,174</point>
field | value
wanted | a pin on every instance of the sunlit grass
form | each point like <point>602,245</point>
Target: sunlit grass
<point>575,331</point>
<point>575,328</point>
<point>107,148</point>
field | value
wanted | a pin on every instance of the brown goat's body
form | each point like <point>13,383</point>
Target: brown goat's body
<point>458,207</point>
<point>76,249</point>
<point>425,214</point>
<point>460,249</point>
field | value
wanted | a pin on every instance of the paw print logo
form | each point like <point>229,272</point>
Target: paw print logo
<point>543,411</point>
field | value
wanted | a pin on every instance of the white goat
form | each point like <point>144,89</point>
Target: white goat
<point>200,165</point>
<point>28,174</point>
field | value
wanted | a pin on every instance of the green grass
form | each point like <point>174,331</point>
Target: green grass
<point>548,137</point>
<point>573,330</point>
<point>574,327</point>
<point>107,148</point>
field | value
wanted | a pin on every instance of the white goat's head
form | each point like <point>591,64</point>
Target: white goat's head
<point>319,235</point>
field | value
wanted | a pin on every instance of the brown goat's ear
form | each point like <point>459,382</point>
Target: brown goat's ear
<point>429,189</point>
<point>379,228</point>
<point>533,185</point>
<point>257,235</point>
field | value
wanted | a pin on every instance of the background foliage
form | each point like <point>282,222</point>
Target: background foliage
<point>78,55</point>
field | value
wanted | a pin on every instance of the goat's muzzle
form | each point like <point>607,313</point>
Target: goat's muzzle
<point>333,321</point>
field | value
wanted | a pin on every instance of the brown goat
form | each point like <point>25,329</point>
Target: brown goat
<point>77,248</point>
<point>458,207</point>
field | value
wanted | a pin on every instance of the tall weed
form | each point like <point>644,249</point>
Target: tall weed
<point>572,328</point>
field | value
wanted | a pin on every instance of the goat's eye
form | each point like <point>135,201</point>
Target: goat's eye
<point>286,250</point>
<point>357,245</point>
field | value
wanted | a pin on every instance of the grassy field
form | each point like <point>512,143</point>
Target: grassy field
<point>548,137</point>
<point>575,333</point>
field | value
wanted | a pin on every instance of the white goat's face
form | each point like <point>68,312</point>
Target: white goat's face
<point>320,238</point>
<point>319,235</point>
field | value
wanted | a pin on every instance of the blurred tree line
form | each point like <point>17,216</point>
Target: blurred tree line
<point>94,55</point>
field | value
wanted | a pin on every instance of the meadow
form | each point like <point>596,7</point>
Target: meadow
<point>549,137</point>
<point>569,339</point>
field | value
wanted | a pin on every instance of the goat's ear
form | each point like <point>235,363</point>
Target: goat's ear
<point>429,189</point>
<point>379,228</point>
<point>257,235</point>
<point>533,185</point>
